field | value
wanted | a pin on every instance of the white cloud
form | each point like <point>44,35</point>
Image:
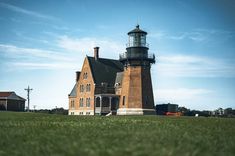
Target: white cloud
<point>32,65</point>
<point>197,35</point>
<point>109,48</point>
<point>194,66</point>
<point>31,58</point>
<point>158,35</point>
<point>194,35</point>
<point>12,51</point>
<point>27,12</point>
<point>188,97</point>
<point>181,59</point>
<point>34,58</point>
<point>23,36</point>
<point>179,94</point>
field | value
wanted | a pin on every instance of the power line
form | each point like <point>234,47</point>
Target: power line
<point>28,91</point>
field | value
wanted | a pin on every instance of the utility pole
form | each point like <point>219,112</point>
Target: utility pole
<point>28,91</point>
<point>34,106</point>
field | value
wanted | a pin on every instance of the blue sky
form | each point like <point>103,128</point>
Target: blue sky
<point>43,43</point>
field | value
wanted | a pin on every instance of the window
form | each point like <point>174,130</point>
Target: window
<point>88,102</point>
<point>80,113</point>
<point>85,75</point>
<point>88,113</point>
<point>88,87</point>
<point>143,40</point>
<point>72,104</point>
<point>72,113</point>
<point>81,88</point>
<point>146,100</point>
<point>81,102</point>
<point>131,40</point>
<point>123,100</point>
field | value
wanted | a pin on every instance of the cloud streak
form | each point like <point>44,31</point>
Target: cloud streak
<point>183,96</point>
<point>197,35</point>
<point>12,51</point>
<point>47,66</point>
<point>26,12</point>
<point>179,94</point>
<point>108,47</point>
<point>194,66</point>
<point>30,58</point>
<point>75,48</point>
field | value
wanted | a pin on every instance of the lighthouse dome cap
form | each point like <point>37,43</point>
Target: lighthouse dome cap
<point>137,30</point>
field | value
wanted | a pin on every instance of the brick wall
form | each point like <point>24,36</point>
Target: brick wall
<point>85,91</point>
<point>137,88</point>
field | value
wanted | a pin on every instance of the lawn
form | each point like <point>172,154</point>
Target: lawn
<point>33,134</point>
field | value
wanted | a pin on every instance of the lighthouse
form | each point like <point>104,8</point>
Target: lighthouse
<point>136,97</point>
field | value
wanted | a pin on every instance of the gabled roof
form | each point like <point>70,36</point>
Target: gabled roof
<point>11,96</point>
<point>104,70</point>
<point>73,92</point>
<point>5,94</point>
<point>20,98</point>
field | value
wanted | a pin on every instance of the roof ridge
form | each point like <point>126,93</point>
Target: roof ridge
<point>104,58</point>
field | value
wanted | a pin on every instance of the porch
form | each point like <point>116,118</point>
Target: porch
<point>106,103</point>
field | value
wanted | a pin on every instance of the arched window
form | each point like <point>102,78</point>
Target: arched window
<point>81,88</point>
<point>87,89</point>
<point>85,75</point>
<point>72,103</point>
<point>81,102</point>
<point>88,102</point>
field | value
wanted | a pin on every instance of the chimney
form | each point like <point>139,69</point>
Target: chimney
<point>77,75</point>
<point>96,53</point>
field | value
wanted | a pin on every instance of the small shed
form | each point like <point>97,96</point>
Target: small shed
<point>9,101</point>
<point>167,109</point>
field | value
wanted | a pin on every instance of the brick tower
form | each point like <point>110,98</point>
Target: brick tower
<point>136,89</point>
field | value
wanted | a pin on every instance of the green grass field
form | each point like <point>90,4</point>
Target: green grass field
<point>32,134</point>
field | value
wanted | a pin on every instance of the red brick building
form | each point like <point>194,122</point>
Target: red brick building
<point>9,101</point>
<point>122,87</point>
